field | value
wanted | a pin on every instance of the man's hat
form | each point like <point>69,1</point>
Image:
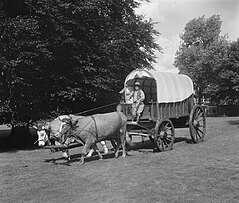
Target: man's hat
<point>137,84</point>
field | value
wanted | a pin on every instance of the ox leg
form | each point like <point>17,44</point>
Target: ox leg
<point>103,143</point>
<point>84,151</point>
<point>90,153</point>
<point>117,148</point>
<point>113,143</point>
<point>123,141</point>
<point>97,150</point>
<point>65,153</point>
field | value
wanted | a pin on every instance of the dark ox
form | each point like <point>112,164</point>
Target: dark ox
<point>96,128</point>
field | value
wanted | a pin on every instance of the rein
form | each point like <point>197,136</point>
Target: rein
<point>45,140</point>
<point>38,141</point>
<point>97,108</point>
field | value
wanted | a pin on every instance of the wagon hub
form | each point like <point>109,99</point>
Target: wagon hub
<point>163,135</point>
<point>196,124</point>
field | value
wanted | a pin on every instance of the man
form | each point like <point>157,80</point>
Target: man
<point>125,93</point>
<point>138,98</point>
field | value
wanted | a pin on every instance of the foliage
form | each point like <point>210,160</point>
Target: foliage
<point>225,89</point>
<point>203,53</point>
<point>67,56</point>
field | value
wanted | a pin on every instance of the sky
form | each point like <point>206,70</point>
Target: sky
<point>173,15</point>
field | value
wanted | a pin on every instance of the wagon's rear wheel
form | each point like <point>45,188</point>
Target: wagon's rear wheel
<point>197,124</point>
<point>164,134</point>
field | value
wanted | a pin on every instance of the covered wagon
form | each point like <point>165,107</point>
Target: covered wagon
<point>169,104</point>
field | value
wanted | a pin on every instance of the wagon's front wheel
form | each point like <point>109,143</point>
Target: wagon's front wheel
<point>164,134</point>
<point>197,124</point>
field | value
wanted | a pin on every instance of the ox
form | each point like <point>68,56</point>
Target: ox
<point>93,129</point>
<point>54,128</point>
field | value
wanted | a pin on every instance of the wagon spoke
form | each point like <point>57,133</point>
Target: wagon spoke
<point>165,144</point>
<point>167,129</point>
<point>168,142</point>
<point>165,126</point>
<point>168,139</point>
<point>170,135</point>
<point>200,119</point>
<point>201,126</point>
<point>197,113</point>
<point>162,127</point>
<point>199,130</point>
<point>198,136</point>
<point>200,115</point>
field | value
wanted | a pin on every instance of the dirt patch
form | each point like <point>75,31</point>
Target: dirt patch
<point>204,172</point>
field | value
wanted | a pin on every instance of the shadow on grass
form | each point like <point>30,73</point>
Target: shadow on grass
<point>233,122</point>
<point>146,146</point>
<point>77,158</point>
<point>16,149</point>
<point>184,139</point>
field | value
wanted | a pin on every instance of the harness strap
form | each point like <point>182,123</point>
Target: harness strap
<point>96,130</point>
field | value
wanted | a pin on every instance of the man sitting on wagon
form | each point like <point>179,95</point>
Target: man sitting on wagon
<point>138,98</point>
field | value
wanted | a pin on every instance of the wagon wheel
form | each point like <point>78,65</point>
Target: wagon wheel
<point>197,124</point>
<point>164,134</point>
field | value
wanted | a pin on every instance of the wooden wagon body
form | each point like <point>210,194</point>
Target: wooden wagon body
<point>169,104</point>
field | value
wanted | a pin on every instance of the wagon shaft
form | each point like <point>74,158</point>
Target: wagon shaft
<point>62,147</point>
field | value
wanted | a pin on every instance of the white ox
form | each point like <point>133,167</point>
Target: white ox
<point>54,128</point>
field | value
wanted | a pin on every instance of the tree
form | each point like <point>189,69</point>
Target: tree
<point>65,56</point>
<point>200,49</point>
<point>225,89</point>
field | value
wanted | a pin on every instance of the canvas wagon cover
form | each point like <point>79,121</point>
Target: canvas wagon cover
<point>170,87</point>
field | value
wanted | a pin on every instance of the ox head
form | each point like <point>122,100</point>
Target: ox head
<point>43,130</point>
<point>52,130</point>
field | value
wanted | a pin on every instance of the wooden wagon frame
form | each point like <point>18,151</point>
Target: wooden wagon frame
<point>169,104</point>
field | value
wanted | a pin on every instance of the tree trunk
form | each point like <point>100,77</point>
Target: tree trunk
<point>200,97</point>
<point>20,138</point>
